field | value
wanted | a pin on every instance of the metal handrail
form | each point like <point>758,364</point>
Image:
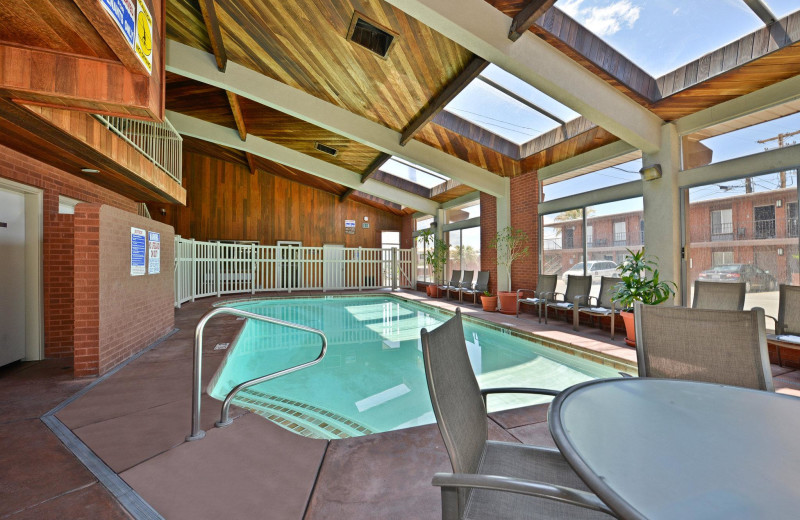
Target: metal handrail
<point>197,433</point>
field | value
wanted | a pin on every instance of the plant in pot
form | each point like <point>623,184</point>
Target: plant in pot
<point>436,255</point>
<point>426,236</point>
<point>640,283</point>
<point>511,244</point>
<point>488,301</point>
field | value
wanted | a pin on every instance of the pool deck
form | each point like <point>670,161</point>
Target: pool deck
<point>136,420</point>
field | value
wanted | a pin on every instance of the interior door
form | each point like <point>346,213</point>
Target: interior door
<point>12,276</point>
<point>333,256</point>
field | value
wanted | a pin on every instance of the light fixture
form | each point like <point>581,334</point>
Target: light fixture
<point>163,211</point>
<point>780,251</point>
<point>89,170</point>
<point>778,203</point>
<point>650,173</point>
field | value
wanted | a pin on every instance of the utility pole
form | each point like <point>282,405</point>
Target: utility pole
<point>781,143</point>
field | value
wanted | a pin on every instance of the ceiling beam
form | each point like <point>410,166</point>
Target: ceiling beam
<point>470,72</point>
<point>482,29</point>
<point>209,11</point>
<point>198,65</point>
<point>761,10</point>
<point>525,18</point>
<point>251,162</point>
<point>529,104</point>
<point>585,160</point>
<point>221,135</point>
<point>346,194</point>
<point>375,166</point>
<point>233,101</point>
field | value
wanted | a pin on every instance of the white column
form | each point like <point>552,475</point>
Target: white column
<point>503,221</point>
<point>662,208</point>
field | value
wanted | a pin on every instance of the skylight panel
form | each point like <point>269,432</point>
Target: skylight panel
<point>782,8</point>
<point>412,172</point>
<point>663,35</point>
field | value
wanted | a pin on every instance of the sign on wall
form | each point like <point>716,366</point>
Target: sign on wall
<point>138,251</point>
<point>153,252</point>
<point>350,227</point>
<point>123,11</point>
<point>144,35</point>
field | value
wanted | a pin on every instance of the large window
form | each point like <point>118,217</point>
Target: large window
<point>562,251</point>
<point>465,251</point>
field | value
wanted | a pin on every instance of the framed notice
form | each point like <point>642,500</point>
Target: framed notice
<point>153,252</point>
<point>350,227</point>
<point>123,12</point>
<point>138,251</point>
<point>144,35</point>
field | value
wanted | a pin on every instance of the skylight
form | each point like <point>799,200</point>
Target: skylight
<point>663,35</point>
<point>500,113</point>
<point>781,8</point>
<point>411,172</point>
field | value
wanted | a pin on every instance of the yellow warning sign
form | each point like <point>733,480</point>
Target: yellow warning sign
<point>144,35</point>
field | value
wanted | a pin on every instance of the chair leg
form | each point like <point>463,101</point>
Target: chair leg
<point>575,317</point>
<point>612,326</point>
<point>450,503</point>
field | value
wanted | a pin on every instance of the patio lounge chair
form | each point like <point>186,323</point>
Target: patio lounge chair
<point>481,285</point>
<point>787,325</point>
<point>603,306</point>
<point>455,279</point>
<point>725,347</point>
<point>545,292</point>
<point>492,479</point>
<point>466,283</point>
<point>720,296</point>
<point>577,293</point>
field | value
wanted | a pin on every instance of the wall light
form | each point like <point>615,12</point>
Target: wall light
<point>89,170</point>
<point>650,173</point>
<point>163,211</point>
<point>780,251</point>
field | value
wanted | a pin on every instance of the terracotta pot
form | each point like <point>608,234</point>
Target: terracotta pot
<point>630,329</point>
<point>508,302</point>
<point>436,292</point>
<point>428,289</point>
<point>489,303</point>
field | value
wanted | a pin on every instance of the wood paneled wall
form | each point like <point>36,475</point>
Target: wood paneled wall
<point>224,201</point>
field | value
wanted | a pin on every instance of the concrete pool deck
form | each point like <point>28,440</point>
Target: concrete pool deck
<point>136,420</point>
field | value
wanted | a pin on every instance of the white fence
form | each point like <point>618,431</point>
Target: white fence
<point>213,269</point>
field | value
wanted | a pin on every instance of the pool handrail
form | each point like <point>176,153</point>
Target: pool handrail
<point>197,391</point>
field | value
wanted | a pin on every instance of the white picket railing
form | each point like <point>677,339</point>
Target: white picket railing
<point>213,269</point>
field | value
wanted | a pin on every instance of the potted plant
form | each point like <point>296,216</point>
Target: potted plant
<point>640,283</point>
<point>511,244</point>
<point>436,254</point>
<point>489,302</point>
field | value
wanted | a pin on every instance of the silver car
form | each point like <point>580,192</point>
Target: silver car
<point>596,268</point>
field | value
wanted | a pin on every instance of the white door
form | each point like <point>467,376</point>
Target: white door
<point>12,276</point>
<point>333,260</point>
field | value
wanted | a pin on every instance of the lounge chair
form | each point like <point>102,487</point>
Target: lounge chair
<point>720,296</point>
<point>455,279</point>
<point>787,324</point>
<point>725,347</point>
<point>604,305</point>
<point>545,292</point>
<point>577,293</point>
<point>481,285</point>
<point>466,283</point>
<point>492,479</point>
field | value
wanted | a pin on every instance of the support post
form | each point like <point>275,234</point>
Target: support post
<point>394,269</point>
<point>194,269</point>
<point>503,221</point>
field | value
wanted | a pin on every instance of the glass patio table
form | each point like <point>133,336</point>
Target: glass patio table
<point>667,449</point>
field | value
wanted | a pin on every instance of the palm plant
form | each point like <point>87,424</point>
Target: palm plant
<point>640,282</point>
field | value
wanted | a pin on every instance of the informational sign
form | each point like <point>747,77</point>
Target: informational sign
<point>365,225</point>
<point>153,252</point>
<point>144,35</point>
<point>350,227</point>
<point>123,11</point>
<point>138,251</point>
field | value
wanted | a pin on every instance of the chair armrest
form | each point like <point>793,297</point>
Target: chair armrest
<point>775,321</point>
<point>515,390</point>
<point>589,301</point>
<point>625,375</point>
<point>580,297</point>
<point>520,291</point>
<point>555,295</point>
<point>563,494</point>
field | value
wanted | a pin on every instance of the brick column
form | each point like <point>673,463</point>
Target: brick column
<point>524,216</point>
<point>87,290</point>
<point>488,231</point>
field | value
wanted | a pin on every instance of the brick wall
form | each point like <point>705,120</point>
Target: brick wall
<point>406,232</point>
<point>57,238</point>
<point>524,216</point>
<point>116,314</point>
<point>488,231</point>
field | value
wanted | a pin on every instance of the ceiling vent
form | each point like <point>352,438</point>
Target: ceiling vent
<point>370,35</point>
<point>326,149</point>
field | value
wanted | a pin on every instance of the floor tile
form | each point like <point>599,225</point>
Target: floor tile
<point>93,502</point>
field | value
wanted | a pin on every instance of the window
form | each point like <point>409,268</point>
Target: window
<point>390,239</point>
<point>620,234</point>
<point>722,258</point>
<point>764,225</point>
<point>791,219</point>
<point>465,251</point>
<point>589,236</point>
<point>569,238</point>
<point>722,224</point>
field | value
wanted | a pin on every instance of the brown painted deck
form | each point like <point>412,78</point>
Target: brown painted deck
<point>136,421</point>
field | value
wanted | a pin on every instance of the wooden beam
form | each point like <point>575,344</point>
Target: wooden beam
<point>525,18</point>
<point>470,72</point>
<point>375,166</point>
<point>209,11</point>
<point>251,162</point>
<point>233,100</point>
<point>346,194</point>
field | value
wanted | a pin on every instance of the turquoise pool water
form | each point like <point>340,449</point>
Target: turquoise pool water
<point>372,378</point>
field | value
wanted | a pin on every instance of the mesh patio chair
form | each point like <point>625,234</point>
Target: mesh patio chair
<point>481,285</point>
<point>576,293</point>
<point>466,283</point>
<point>787,324</point>
<point>720,296</point>
<point>545,292</point>
<point>490,479</point>
<point>455,279</point>
<point>603,306</point>
<point>725,347</point>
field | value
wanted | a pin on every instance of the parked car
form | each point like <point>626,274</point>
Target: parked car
<point>753,277</point>
<point>596,268</point>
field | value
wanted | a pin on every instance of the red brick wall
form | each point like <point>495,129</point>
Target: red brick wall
<point>524,216</point>
<point>488,231</point>
<point>57,239</point>
<point>116,314</point>
<point>406,232</point>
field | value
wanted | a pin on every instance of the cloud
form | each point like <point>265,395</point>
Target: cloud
<point>603,21</point>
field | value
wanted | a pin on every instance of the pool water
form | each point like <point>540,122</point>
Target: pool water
<point>372,378</point>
